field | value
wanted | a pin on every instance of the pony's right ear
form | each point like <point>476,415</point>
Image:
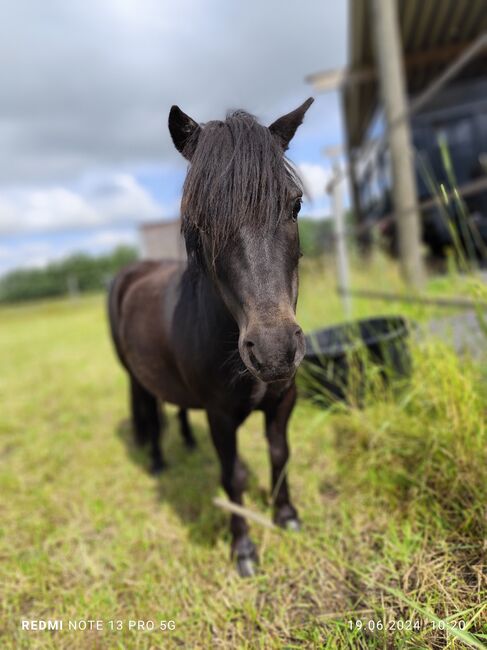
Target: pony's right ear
<point>184,132</point>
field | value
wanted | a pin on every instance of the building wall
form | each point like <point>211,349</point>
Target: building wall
<point>162,240</point>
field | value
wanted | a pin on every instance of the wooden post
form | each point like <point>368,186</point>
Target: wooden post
<point>335,190</point>
<point>73,286</point>
<point>393,88</point>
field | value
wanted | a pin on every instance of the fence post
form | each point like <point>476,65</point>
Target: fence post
<point>73,286</point>
<point>335,189</point>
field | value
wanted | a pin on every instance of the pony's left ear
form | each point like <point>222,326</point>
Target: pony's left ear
<point>285,127</point>
<point>184,132</point>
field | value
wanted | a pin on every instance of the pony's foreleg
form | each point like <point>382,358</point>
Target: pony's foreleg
<point>276,419</point>
<point>223,430</point>
<point>147,420</point>
<point>186,432</point>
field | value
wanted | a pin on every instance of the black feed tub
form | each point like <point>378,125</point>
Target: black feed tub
<point>340,360</point>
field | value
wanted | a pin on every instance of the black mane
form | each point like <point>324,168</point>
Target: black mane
<point>238,175</point>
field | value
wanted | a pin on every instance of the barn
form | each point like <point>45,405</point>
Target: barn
<point>441,41</point>
<point>162,240</point>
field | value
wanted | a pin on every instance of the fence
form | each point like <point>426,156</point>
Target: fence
<point>374,148</point>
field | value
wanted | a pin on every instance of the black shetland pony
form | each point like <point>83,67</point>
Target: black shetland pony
<point>220,332</point>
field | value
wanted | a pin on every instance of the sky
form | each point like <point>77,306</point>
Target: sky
<point>86,87</point>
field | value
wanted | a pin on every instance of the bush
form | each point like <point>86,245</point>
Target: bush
<point>316,236</point>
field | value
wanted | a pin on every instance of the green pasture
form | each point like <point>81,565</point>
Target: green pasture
<point>393,500</point>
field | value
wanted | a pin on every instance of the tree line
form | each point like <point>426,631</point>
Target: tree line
<point>78,273</point>
<point>81,273</point>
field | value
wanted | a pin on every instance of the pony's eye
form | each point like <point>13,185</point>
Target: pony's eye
<point>296,209</point>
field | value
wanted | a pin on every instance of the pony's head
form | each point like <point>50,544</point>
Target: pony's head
<point>239,210</point>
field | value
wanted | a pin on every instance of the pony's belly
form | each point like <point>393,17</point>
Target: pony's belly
<point>178,395</point>
<point>163,382</point>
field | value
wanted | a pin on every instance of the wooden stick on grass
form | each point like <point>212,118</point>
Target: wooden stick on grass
<point>224,504</point>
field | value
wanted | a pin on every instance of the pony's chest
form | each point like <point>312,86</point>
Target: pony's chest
<point>258,393</point>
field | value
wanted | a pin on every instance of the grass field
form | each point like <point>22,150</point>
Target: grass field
<point>392,497</point>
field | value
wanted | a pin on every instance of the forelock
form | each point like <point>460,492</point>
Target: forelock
<point>238,175</point>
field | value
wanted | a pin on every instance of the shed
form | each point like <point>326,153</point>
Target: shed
<point>162,240</point>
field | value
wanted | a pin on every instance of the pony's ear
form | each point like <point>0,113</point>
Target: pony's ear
<point>285,127</point>
<point>184,131</point>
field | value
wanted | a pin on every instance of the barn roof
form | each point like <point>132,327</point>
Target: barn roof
<point>433,32</point>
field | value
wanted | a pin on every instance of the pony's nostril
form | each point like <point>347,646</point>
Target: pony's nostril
<point>298,352</point>
<point>250,349</point>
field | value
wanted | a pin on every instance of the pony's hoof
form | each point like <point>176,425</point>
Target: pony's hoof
<point>157,467</point>
<point>292,524</point>
<point>287,517</point>
<point>246,567</point>
<point>246,557</point>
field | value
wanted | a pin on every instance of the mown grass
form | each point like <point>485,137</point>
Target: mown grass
<point>393,499</point>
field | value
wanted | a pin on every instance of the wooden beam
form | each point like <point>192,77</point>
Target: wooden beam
<point>438,200</point>
<point>334,79</point>
<point>386,296</point>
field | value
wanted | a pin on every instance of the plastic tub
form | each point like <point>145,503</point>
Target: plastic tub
<point>340,359</point>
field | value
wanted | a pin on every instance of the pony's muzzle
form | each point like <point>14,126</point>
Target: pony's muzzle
<point>273,353</point>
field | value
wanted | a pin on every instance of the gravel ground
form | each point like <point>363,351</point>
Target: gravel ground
<point>464,331</point>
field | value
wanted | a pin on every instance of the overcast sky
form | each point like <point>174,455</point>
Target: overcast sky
<point>86,87</point>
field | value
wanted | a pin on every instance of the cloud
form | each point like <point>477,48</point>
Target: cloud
<point>115,200</point>
<point>108,239</point>
<point>28,254</point>
<point>39,250</point>
<point>88,87</point>
<point>89,84</point>
<point>315,178</point>
<point>38,254</point>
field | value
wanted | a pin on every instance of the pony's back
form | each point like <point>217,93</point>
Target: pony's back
<point>119,286</point>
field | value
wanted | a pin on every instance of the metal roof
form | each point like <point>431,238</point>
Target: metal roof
<point>433,32</point>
